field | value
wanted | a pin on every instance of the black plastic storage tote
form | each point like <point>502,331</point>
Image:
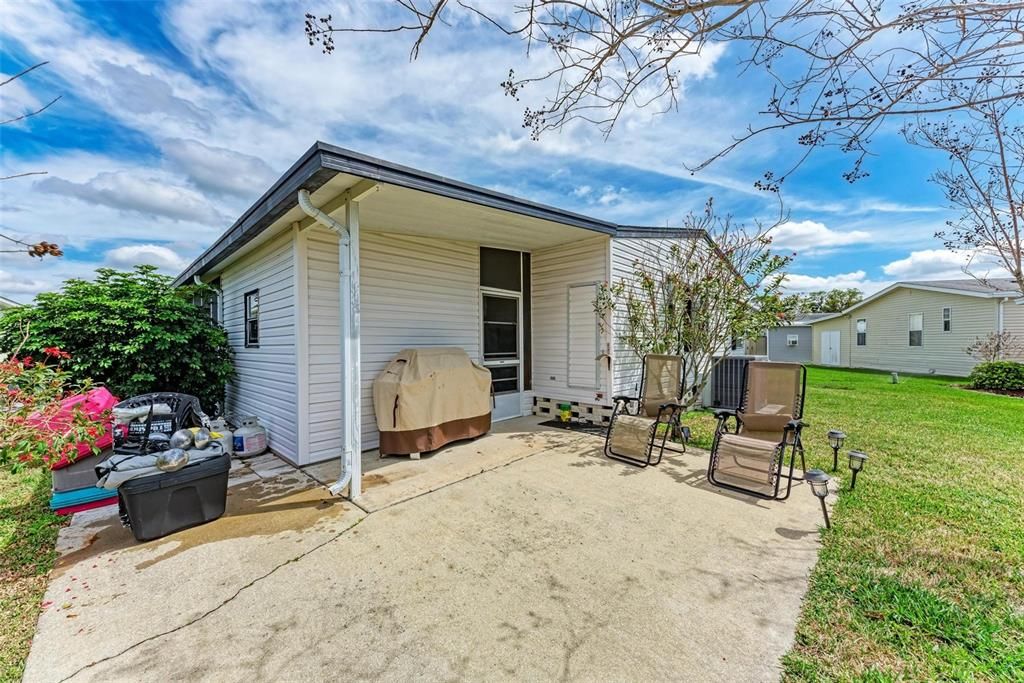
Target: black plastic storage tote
<point>161,504</point>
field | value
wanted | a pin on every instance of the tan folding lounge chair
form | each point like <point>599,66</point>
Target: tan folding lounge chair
<point>768,423</point>
<point>634,435</point>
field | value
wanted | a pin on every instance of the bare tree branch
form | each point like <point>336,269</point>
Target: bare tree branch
<point>23,72</point>
<point>31,113</point>
<point>22,175</point>
<point>858,63</point>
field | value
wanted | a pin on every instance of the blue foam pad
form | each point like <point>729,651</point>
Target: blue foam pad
<point>63,499</point>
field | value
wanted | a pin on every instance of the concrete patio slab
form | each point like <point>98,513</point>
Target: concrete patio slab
<point>557,564</point>
<point>391,480</point>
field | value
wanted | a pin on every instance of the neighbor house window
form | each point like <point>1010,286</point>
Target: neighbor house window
<point>947,319</point>
<point>252,318</point>
<point>862,332</point>
<point>792,339</point>
<point>916,325</point>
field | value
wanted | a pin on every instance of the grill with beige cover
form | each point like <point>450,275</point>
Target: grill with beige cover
<point>751,458</point>
<point>426,398</point>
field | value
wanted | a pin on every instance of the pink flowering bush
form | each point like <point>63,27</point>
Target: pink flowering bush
<point>34,429</point>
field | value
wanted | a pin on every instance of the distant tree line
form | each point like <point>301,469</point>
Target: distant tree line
<point>822,301</point>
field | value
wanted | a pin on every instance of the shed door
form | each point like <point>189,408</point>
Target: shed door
<point>584,338</point>
<point>830,348</point>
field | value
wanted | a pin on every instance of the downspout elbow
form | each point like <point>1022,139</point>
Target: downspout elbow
<point>306,204</point>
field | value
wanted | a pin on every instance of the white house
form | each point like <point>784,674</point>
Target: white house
<point>919,327</point>
<point>424,261</point>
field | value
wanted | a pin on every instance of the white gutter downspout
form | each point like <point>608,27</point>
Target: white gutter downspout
<point>348,272</point>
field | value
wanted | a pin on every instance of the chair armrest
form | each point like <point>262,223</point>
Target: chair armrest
<point>623,397</point>
<point>724,413</point>
<point>794,425</point>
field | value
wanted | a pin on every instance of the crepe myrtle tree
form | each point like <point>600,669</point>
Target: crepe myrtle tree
<point>695,297</point>
<point>984,181</point>
<point>996,346</point>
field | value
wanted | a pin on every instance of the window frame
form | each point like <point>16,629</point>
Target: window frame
<point>947,318</point>
<point>919,331</point>
<point>861,337</point>
<point>794,338</point>
<point>246,319</point>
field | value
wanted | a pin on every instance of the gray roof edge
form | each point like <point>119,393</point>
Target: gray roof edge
<point>646,231</point>
<point>249,224</point>
<point>322,161</point>
<point>365,166</point>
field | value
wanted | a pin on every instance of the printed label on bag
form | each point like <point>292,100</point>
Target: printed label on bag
<point>160,424</point>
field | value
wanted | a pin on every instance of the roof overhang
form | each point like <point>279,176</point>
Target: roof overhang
<point>409,201</point>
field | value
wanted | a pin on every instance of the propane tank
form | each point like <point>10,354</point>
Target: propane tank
<point>220,425</point>
<point>250,438</point>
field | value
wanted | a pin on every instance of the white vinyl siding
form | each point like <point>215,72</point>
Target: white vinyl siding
<point>625,252</point>
<point>555,270</point>
<point>323,339</point>
<point>1013,322</point>
<point>415,291</point>
<point>584,339</point>
<point>265,384</point>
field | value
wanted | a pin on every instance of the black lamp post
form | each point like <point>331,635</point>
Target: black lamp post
<point>857,460</point>
<point>835,440</point>
<point>819,487</point>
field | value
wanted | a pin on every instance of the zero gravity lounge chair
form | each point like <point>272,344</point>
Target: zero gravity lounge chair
<point>751,458</point>
<point>633,437</point>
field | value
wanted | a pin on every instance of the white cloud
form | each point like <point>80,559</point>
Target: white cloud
<point>942,264</point>
<point>582,191</point>
<point>127,191</point>
<point>612,195</point>
<point>149,254</point>
<point>218,169</point>
<point>812,237</point>
<point>21,282</point>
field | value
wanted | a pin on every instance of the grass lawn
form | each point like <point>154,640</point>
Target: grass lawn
<point>28,531</point>
<point>922,574</point>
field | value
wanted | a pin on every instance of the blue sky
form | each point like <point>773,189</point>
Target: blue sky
<point>175,117</point>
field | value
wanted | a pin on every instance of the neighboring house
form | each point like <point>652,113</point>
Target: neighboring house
<point>440,263</point>
<point>6,303</point>
<point>919,327</point>
<point>793,341</point>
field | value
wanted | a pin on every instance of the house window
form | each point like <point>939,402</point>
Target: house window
<point>862,332</point>
<point>916,325</point>
<point>792,339</point>
<point>947,319</point>
<point>252,319</point>
<point>209,300</point>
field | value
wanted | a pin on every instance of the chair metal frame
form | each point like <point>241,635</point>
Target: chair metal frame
<point>791,441</point>
<point>671,411</point>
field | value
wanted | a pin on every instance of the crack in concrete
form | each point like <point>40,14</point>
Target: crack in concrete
<point>300,557</point>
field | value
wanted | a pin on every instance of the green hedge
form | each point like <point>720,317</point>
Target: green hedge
<point>998,374</point>
<point>132,331</point>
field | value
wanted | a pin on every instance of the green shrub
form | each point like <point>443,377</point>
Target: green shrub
<point>132,331</point>
<point>998,374</point>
